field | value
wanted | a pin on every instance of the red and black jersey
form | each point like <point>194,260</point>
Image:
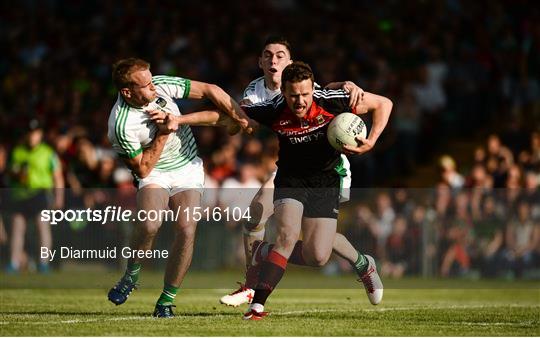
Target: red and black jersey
<point>303,144</point>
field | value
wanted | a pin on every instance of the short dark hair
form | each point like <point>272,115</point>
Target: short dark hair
<point>297,71</point>
<point>277,39</point>
<point>122,69</point>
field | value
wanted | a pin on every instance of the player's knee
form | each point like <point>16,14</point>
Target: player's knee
<point>318,259</point>
<point>149,228</point>
<point>187,232</point>
<point>287,239</point>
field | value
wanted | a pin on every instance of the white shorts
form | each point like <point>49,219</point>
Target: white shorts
<point>189,177</point>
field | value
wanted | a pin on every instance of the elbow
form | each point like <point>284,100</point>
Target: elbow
<point>211,89</point>
<point>387,104</point>
<point>142,172</point>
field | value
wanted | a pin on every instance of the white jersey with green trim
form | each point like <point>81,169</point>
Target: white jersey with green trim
<point>131,131</point>
<point>257,92</point>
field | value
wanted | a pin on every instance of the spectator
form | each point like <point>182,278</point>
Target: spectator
<point>499,159</point>
<point>489,231</point>
<point>384,217</point>
<point>399,248</point>
<point>449,173</point>
<point>456,259</point>
<point>36,176</point>
<point>522,240</point>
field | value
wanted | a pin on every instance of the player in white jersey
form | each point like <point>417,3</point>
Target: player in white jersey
<point>144,131</point>
<point>275,56</point>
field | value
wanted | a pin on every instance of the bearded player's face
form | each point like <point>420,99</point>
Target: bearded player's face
<point>142,91</point>
<point>299,96</point>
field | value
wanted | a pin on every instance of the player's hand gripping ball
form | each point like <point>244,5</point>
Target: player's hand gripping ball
<point>343,130</point>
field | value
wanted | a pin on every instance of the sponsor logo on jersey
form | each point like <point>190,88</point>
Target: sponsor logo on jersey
<point>297,132</point>
<point>307,138</point>
<point>285,122</point>
<point>161,102</point>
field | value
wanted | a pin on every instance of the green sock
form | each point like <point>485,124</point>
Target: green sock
<point>132,271</point>
<point>361,264</point>
<point>167,295</point>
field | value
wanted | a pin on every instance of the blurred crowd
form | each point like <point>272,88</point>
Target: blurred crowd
<point>454,69</point>
<point>484,221</point>
<point>451,67</point>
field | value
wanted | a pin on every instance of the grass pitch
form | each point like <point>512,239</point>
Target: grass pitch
<point>62,305</point>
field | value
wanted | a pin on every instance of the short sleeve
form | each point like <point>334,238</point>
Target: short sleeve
<point>175,87</point>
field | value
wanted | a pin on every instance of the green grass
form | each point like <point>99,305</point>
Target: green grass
<point>62,306</point>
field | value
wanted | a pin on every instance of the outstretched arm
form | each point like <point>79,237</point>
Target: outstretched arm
<point>199,118</point>
<point>381,107</point>
<point>223,102</point>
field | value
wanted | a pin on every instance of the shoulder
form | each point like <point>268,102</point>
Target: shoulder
<point>125,120</point>
<point>329,94</point>
<point>119,112</point>
<point>45,149</point>
<point>173,86</point>
<point>119,106</point>
<point>167,79</point>
<point>252,88</point>
<point>332,100</point>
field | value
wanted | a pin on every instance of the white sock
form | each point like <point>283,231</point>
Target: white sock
<point>257,307</point>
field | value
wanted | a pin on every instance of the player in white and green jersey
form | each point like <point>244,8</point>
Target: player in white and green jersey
<point>130,128</point>
<point>144,130</point>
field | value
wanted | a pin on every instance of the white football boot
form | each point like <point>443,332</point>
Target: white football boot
<point>372,282</point>
<point>244,294</point>
<point>240,296</point>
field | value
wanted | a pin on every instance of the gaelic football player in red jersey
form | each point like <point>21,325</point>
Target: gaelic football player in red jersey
<point>307,183</point>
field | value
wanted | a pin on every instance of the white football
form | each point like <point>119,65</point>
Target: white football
<point>343,130</point>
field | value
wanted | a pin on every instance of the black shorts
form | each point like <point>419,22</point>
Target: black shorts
<point>318,193</point>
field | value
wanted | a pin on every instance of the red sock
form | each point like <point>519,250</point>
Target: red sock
<point>297,258</point>
<point>262,253</point>
<point>272,271</point>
